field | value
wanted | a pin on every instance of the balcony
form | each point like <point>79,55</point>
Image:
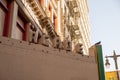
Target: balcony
<point>72,5</point>
<point>75,32</point>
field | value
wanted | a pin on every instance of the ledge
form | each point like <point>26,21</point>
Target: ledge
<point>17,45</point>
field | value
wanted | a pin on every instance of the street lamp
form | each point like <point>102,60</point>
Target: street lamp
<point>107,64</point>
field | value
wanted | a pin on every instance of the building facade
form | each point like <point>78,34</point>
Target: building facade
<point>66,19</point>
<point>30,32</point>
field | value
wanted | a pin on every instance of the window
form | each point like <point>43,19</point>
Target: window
<point>3,11</point>
<point>2,18</point>
<point>49,12</point>
<point>42,3</point>
<point>55,21</point>
<point>19,31</point>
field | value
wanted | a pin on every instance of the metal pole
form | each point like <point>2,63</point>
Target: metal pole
<point>116,65</point>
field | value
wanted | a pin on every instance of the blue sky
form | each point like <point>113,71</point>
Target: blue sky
<point>105,26</point>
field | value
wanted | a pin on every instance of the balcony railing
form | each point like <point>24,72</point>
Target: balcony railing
<point>72,5</point>
<point>75,32</point>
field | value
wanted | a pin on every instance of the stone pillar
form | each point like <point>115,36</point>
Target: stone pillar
<point>13,18</point>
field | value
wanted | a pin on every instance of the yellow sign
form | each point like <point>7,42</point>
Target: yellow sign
<point>111,75</point>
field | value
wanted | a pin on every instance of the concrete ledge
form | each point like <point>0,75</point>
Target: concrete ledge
<point>21,61</point>
<point>25,46</point>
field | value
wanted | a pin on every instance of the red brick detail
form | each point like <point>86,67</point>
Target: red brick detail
<point>25,32</point>
<point>7,21</point>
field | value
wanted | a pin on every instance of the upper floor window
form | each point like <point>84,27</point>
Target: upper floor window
<point>54,21</point>
<point>3,11</point>
<point>2,19</point>
<point>19,30</point>
<point>42,3</point>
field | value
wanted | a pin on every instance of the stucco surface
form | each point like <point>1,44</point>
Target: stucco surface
<point>20,60</point>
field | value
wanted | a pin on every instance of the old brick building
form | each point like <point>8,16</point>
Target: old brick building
<point>30,32</point>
